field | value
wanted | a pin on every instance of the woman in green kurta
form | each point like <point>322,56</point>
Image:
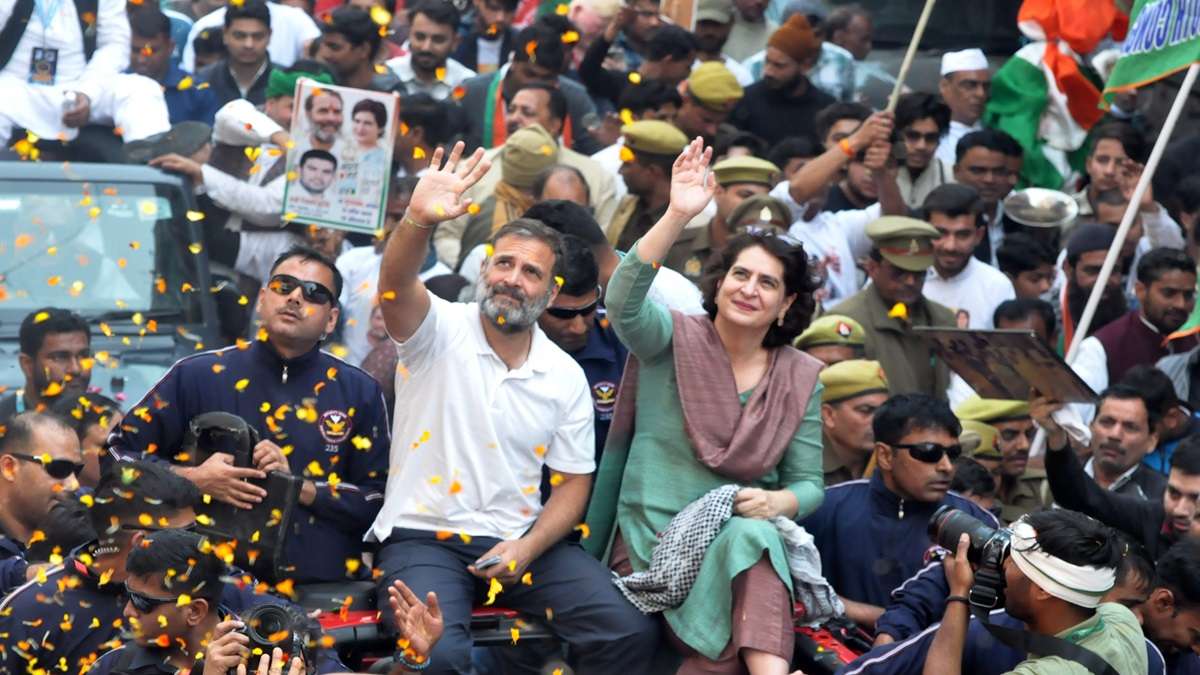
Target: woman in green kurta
<point>758,298</point>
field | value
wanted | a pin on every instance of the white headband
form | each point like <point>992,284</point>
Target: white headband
<point>1078,585</point>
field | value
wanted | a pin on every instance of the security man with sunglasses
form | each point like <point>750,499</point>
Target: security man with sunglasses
<point>320,418</point>
<point>40,461</point>
<point>872,532</point>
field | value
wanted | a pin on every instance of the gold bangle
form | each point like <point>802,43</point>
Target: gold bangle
<point>410,221</point>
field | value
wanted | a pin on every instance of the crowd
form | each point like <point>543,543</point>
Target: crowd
<point>637,353</point>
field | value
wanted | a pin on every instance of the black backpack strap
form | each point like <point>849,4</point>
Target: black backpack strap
<point>1044,645</point>
<point>87,11</point>
<point>13,30</point>
<point>123,660</point>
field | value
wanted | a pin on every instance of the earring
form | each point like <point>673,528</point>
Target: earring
<point>780,321</point>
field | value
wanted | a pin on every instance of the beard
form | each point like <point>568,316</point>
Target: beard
<point>326,133</point>
<point>777,85</point>
<point>1112,306</point>
<point>515,319</point>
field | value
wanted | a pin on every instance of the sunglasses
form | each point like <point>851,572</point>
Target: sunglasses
<point>313,292</point>
<point>145,604</point>
<point>58,469</point>
<point>568,313</point>
<point>930,453</point>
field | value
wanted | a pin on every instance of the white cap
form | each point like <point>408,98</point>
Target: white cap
<point>240,123</point>
<point>967,59</point>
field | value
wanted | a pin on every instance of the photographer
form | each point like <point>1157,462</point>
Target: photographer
<point>1059,566</point>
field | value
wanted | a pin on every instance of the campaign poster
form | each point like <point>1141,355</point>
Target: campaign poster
<point>1006,364</point>
<point>340,162</point>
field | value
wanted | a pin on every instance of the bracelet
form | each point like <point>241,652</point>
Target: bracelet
<point>402,659</point>
<point>410,221</point>
<point>844,144</point>
<point>958,598</point>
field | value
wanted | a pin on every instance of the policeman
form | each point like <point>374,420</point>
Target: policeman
<point>649,152</point>
<point>738,179</point>
<point>1021,489</point>
<point>318,416</point>
<point>892,305</point>
<point>984,450</point>
<point>854,390</point>
<point>576,322</point>
<point>833,338</point>
<point>760,213</point>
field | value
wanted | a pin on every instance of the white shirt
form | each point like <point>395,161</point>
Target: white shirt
<point>291,29</point>
<point>468,448</point>
<point>948,146</point>
<point>978,289</point>
<point>1090,469</point>
<point>837,238</point>
<point>455,74</point>
<point>740,73</point>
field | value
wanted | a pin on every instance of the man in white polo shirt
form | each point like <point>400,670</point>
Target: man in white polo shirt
<point>485,400</point>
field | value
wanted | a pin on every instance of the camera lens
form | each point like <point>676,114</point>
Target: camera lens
<point>269,625</point>
<point>948,524</point>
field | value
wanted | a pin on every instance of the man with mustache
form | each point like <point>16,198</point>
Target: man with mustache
<point>1085,252</point>
<point>965,86</point>
<point>1020,489</point>
<point>55,358</point>
<point>1123,432</point>
<point>489,401</point>
<point>323,109</point>
<point>1166,294</point>
<point>432,35</point>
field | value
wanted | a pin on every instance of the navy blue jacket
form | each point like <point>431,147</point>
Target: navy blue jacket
<point>916,604</point>
<point>603,362</point>
<point>12,564</point>
<point>982,655</point>
<point>867,549</point>
<point>335,421</point>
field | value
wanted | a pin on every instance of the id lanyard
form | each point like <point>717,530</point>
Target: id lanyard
<point>46,14</point>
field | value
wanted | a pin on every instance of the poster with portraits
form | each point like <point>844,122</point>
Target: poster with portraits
<point>340,162</point>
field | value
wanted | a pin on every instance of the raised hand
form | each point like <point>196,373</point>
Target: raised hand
<point>877,128</point>
<point>439,194</point>
<point>692,184</point>
<point>418,622</point>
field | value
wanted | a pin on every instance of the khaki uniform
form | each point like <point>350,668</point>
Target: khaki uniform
<point>835,472</point>
<point>1031,493</point>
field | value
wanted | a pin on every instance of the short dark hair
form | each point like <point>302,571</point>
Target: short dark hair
<point>427,113</point>
<point>377,110</point>
<point>547,48</point>
<point>970,477</point>
<point>438,11</point>
<point>185,560</point>
<point>20,429</point>
<point>317,153</point>
<point>1179,570</point>
<point>127,490</point>
<point>208,42</point>
<point>1132,142</point>
<point>792,147</point>
<point>1124,392</point>
<point>905,413</point>
<point>66,527</point>
<point>647,95</point>
<point>249,9</point>
<point>1157,262</point>
<point>148,21</point>
<point>1020,252</point>
<point>568,218</point>
<point>308,100</point>
<point>581,275</point>
<point>840,18</point>
<point>47,321</point>
<point>990,139</point>
<point>740,139</point>
<point>670,42</point>
<point>830,114</point>
<point>83,412</point>
<point>919,105</point>
<point>1021,308</point>
<point>539,183</point>
<point>557,101</point>
<point>953,200</point>
<point>528,228</point>
<point>354,24</point>
<point>306,253</point>
<point>1186,457</point>
<point>1075,538</point>
<point>1188,194</point>
<point>1155,386</point>
<point>798,278</point>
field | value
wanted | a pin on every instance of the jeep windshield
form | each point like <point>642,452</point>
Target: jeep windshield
<point>105,250</point>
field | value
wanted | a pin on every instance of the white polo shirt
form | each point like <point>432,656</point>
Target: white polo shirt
<point>470,436</point>
<point>978,290</point>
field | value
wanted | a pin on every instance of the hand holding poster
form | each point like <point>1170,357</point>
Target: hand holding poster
<point>340,163</point>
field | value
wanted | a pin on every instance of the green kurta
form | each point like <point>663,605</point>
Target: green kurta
<point>644,488</point>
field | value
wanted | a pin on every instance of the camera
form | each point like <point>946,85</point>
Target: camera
<point>987,551</point>
<point>271,626</point>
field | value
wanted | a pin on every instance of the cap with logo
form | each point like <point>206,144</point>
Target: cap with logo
<point>832,329</point>
<point>992,410</point>
<point>653,137</point>
<point>714,86</point>
<point>744,169</point>
<point>760,212</point>
<point>905,242</point>
<point>848,379</point>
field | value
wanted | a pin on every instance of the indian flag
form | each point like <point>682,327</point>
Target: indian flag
<point>1164,38</point>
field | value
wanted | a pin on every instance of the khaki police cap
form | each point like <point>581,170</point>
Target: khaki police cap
<point>905,242</point>
<point>985,440</point>
<point>743,169</point>
<point>832,329</point>
<point>760,212</point>
<point>848,379</point>
<point>654,137</point>
<point>713,86</point>
<point>992,410</point>
<point>720,11</point>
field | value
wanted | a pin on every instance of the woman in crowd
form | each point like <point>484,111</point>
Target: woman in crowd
<point>714,400</point>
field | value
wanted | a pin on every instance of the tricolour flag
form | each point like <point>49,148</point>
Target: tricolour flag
<point>1163,38</point>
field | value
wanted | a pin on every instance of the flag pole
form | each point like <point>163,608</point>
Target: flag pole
<point>909,55</point>
<point>1131,209</point>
